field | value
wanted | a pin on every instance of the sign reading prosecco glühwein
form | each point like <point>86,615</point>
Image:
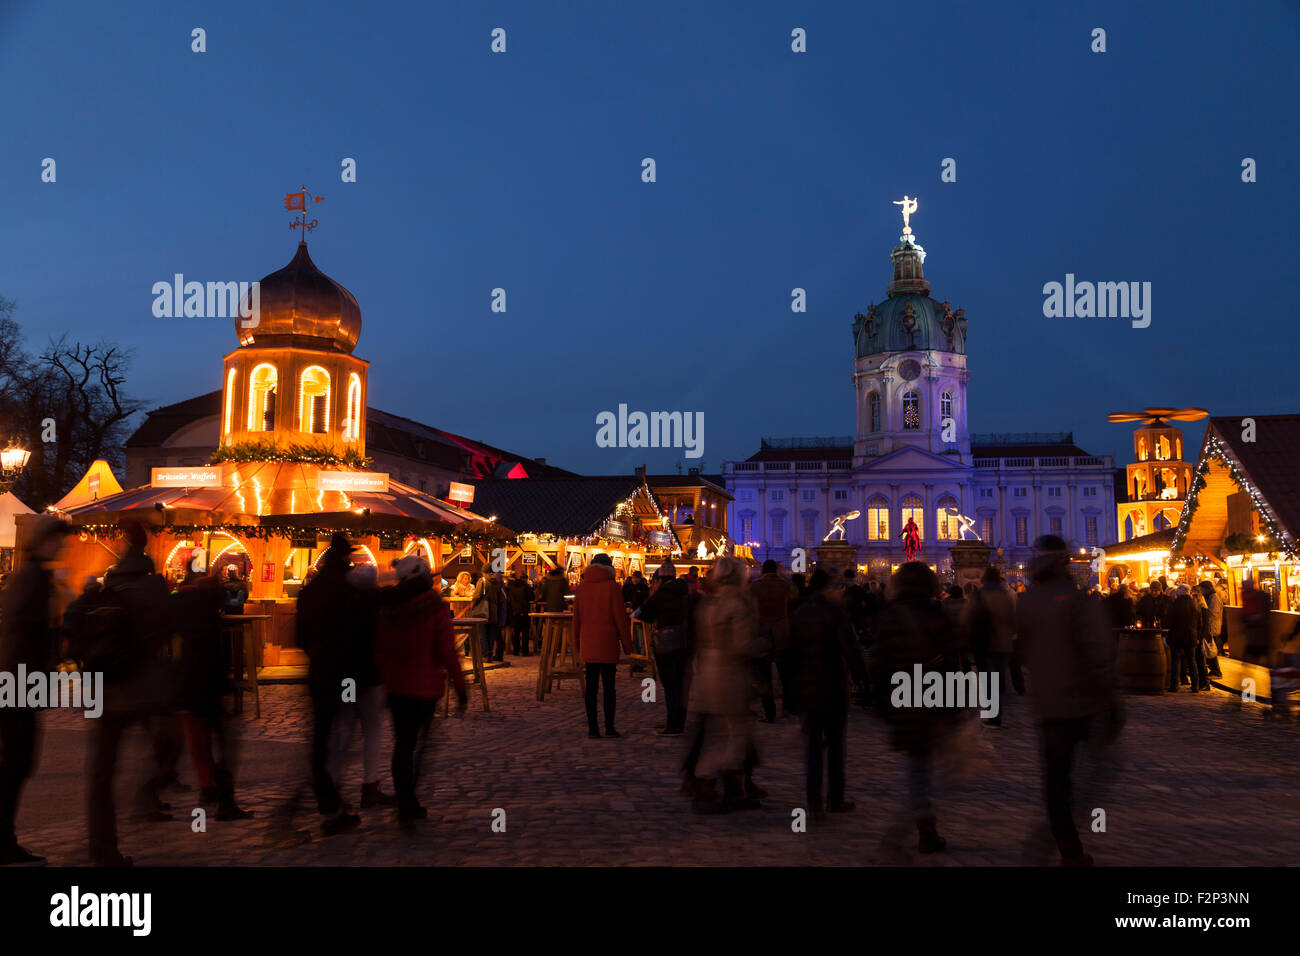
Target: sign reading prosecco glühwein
<point>354,481</point>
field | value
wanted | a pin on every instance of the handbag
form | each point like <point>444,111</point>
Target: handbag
<point>670,639</point>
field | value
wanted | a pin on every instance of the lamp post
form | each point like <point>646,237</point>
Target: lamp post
<point>12,462</point>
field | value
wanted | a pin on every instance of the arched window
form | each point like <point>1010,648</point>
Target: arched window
<point>914,509</point>
<point>314,400</point>
<point>230,402</point>
<point>912,411</point>
<point>1142,449</point>
<point>352,424</point>
<point>878,519</point>
<point>873,408</point>
<point>945,406</point>
<point>946,519</point>
<point>261,399</point>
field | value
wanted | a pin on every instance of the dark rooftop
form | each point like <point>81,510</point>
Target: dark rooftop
<point>565,507</point>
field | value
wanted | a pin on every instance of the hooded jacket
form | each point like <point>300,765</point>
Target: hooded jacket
<point>600,621</point>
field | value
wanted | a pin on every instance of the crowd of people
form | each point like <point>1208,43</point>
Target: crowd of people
<point>731,649</point>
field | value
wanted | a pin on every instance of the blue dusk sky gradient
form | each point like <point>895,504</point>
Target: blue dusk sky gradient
<point>775,170</point>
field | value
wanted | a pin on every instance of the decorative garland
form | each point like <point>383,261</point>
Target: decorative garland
<point>264,532</point>
<point>254,451</point>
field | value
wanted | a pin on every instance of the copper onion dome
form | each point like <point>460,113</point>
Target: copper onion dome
<point>301,306</point>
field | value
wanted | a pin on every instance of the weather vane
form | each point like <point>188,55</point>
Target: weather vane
<point>300,201</point>
<point>909,207</point>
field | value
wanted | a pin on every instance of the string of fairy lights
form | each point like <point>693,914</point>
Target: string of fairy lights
<point>1215,450</point>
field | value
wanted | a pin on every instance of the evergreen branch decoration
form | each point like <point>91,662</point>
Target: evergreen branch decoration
<point>251,451</point>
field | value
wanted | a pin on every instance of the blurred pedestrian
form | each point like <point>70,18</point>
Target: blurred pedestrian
<point>415,651</point>
<point>600,627</point>
<point>488,599</point>
<point>773,594</point>
<point>26,640</point>
<point>1067,649</point>
<point>669,608</point>
<point>1183,632</point>
<point>991,626</point>
<point>1213,627</point>
<point>519,600</point>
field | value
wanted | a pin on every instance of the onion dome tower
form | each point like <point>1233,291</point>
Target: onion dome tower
<point>909,370</point>
<point>293,380</point>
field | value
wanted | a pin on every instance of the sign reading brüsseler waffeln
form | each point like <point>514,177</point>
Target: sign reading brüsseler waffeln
<point>352,480</point>
<point>196,476</point>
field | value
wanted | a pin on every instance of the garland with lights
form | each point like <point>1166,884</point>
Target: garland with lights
<point>255,451</point>
<point>1215,450</point>
<point>263,532</point>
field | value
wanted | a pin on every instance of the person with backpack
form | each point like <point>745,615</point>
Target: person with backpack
<point>27,640</point>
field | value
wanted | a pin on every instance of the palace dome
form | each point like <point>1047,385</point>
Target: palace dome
<point>909,319</point>
<point>301,306</point>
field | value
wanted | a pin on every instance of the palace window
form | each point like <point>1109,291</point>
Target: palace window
<point>747,494</point>
<point>945,405</point>
<point>1054,492</point>
<point>914,509</point>
<point>747,528</point>
<point>1019,492</point>
<point>1054,525</point>
<point>878,519</point>
<point>809,494</point>
<point>841,494</point>
<point>986,530</point>
<point>314,401</point>
<point>809,530</point>
<point>986,492</point>
<point>1022,531</point>
<point>1090,525</point>
<point>778,531</point>
<point>778,496</point>
<point>261,399</point>
<point>1090,492</point>
<point>949,528</point>
<point>873,404</point>
<point>912,411</point>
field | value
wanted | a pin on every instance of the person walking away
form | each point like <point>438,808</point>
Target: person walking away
<point>1213,627</point>
<point>487,603</point>
<point>825,654</point>
<point>1182,624</point>
<point>1201,674</point>
<point>915,630</point>
<point>721,688</point>
<point>204,676</point>
<point>368,708</point>
<point>415,651</point>
<point>669,608</point>
<point>553,589</point>
<point>857,602</point>
<point>772,596</point>
<point>1073,690</point>
<point>519,598</point>
<point>991,625</point>
<point>635,590</point>
<point>26,640</point>
<point>327,613</point>
<point>600,627</point>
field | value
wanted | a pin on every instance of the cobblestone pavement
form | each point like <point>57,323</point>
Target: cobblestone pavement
<point>1199,782</point>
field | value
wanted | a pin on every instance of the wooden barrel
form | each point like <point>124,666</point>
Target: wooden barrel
<point>1143,662</point>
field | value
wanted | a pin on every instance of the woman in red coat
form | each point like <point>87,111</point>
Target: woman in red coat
<point>415,650</point>
<point>600,627</point>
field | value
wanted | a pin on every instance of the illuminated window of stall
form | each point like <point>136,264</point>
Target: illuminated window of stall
<point>230,402</point>
<point>352,427</point>
<point>261,399</point>
<point>314,400</point>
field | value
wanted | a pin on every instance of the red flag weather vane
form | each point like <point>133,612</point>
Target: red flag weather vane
<point>300,201</point>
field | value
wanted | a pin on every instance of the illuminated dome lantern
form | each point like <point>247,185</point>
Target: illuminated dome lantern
<point>294,380</point>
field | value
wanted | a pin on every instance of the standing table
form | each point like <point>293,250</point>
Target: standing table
<point>245,655</point>
<point>464,628</point>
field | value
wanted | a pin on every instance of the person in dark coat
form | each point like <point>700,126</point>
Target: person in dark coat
<point>139,685</point>
<point>328,606</point>
<point>489,598</point>
<point>914,630</point>
<point>1153,605</point>
<point>635,590</point>
<point>415,651</point>
<point>669,607</point>
<point>825,654</point>
<point>1183,632</point>
<point>27,639</point>
<point>519,597</point>
<point>1120,609</point>
<point>204,667</point>
<point>1068,651</point>
<point>553,589</point>
<point>773,595</point>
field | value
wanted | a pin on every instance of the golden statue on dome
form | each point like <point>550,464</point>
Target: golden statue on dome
<point>909,207</point>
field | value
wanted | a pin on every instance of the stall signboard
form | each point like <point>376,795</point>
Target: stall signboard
<point>268,572</point>
<point>528,557</point>
<point>92,485</point>
<point>661,539</point>
<point>197,476</point>
<point>461,492</point>
<point>353,481</point>
<point>616,529</point>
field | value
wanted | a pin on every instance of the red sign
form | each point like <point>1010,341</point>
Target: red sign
<point>268,572</point>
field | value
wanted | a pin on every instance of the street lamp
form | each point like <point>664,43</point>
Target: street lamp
<point>12,462</point>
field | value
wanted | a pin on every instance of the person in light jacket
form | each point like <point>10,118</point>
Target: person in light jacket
<point>601,627</point>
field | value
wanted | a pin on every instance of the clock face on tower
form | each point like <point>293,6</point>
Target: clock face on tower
<point>909,369</point>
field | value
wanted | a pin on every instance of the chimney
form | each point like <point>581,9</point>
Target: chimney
<point>640,472</point>
<point>694,471</point>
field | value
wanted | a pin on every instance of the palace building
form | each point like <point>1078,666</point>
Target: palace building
<point>913,457</point>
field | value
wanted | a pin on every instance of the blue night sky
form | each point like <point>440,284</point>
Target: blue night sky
<point>775,170</point>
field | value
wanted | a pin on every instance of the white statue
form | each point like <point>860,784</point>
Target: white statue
<point>967,524</point>
<point>909,207</point>
<point>837,525</point>
<point>702,552</point>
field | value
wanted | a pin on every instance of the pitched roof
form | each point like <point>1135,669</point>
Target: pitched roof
<point>1155,541</point>
<point>715,483</point>
<point>161,423</point>
<point>1271,463</point>
<point>566,507</point>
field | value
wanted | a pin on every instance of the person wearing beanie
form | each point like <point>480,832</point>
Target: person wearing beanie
<point>601,627</point>
<point>25,639</point>
<point>415,652</point>
<point>1064,642</point>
